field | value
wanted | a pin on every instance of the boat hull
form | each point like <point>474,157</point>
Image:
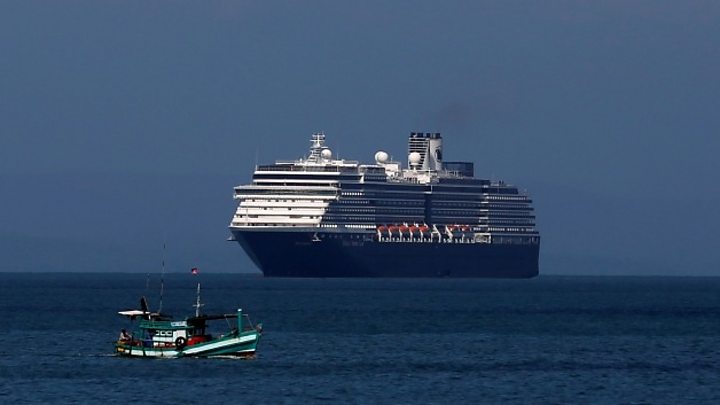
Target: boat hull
<point>313,254</point>
<point>235,346</point>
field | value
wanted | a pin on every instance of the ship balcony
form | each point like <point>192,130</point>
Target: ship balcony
<point>274,221</point>
<point>302,204</point>
<point>285,196</point>
<point>243,211</point>
<point>289,166</point>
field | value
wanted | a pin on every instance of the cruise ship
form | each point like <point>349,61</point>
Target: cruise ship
<point>321,216</point>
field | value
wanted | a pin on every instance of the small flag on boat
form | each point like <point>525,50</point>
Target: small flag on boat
<point>194,270</point>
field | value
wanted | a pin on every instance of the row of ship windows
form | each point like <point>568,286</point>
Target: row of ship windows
<point>435,212</point>
<point>385,218</point>
<point>392,196</point>
<point>353,201</point>
<point>397,214</point>
<point>284,216</point>
<point>376,206</point>
<point>491,222</point>
<point>376,209</point>
<point>451,204</point>
<point>478,221</point>
<point>283,200</point>
<point>377,214</point>
<point>276,224</point>
<point>508,206</point>
<point>354,210</point>
<point>479,188</point>
<point>289,167</point>
<point>305,225</point>
<point>373,213</point>
<point>480,204</point>
<point>396,203</point>
<point>411,190</point>
<point>306,177</point>
<point>364,226</point>
<point>383,188</point>
<point>401,203</point>
<point>456,213</point>
<point>473,190</point>
<point>511,240</point>
<point>435,197</point>
<point>455,205</point>
<point>280,191</point>
<point>395,196</point>
<point>285,184</point>
<point>404,219</point>
<point>486,219</point>
<point>380,202</point>
<point>280,209</point>
<point>495,229</point>
<point>479,214</point>
<point>406,203</point>
<point>505,198</point>
<point>349,219</point>
<point>455,197</point>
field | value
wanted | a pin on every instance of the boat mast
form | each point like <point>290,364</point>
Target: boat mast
<point>197,302</point>
<point>162,280</point>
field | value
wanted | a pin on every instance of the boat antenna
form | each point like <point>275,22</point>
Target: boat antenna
<point>197,302</point>
<point>162,280</point>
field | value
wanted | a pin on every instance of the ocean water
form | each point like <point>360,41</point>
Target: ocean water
<point>546,340</point>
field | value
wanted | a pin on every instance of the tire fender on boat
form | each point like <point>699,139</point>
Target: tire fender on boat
<point>180,342</point>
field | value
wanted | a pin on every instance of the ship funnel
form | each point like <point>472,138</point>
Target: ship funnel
<point>429,146</point>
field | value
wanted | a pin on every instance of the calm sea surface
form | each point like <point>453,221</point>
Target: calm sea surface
<point>548,340</point>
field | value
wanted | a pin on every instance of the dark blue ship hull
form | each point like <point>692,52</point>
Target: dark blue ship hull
<point>309,254</point>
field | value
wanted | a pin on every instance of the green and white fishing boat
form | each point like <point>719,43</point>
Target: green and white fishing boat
<point>158,335</point>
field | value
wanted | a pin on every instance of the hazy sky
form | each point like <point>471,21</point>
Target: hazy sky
<point>124,124</point>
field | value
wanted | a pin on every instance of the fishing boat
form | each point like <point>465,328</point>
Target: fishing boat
<point>158,335</point>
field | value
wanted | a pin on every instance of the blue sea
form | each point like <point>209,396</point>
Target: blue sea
<point>547,340</point>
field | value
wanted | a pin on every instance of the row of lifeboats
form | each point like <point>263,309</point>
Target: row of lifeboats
<point>398,230</point>
<point>424,231</point>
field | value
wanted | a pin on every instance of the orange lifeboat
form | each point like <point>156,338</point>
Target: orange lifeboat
<point>424,229</point>
<point>382,229</point>
<point>393,229</point>
<point>404,229</point>
<point>415,230</point>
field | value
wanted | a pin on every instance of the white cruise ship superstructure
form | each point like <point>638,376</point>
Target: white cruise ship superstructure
<point>327,217</point>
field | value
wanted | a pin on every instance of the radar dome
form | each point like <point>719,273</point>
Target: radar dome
<point>326,153</point>
<point>414,158</point>
<point>381,157</point>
